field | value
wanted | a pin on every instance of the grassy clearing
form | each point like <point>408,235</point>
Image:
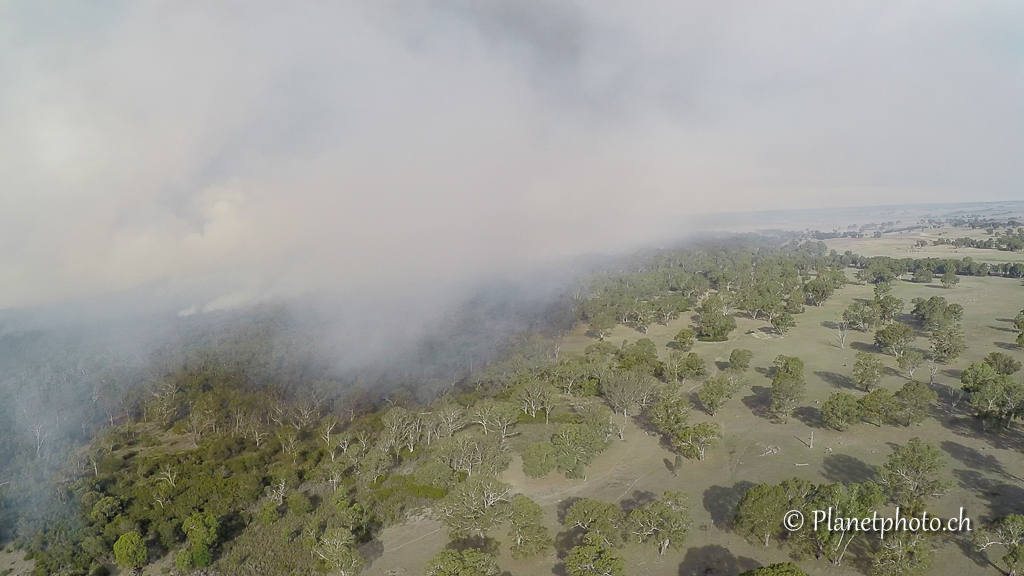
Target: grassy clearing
<point>901,245</point>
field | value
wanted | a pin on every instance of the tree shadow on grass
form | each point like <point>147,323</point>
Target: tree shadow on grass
<point>721,502</point>
<point>973,458</point>
<point>830,325</point>
<point>1006,345</point>
<point>970,550</point>
<point>714,560</point>
<point>809,415</point>
<point>863,347</point>
<point>477,542</point>
<point>836,379</point>
<point>1003,329</point>
<point>643,421</point>
<point>846,469</point>
<point>1002,498</point>
<point>759,401</point>
<point>670,466</point>
<point>637,499</point>
<point>372,551</point>
<point>564,505</point>
<point>971,427</point>
<point>950,373</point>
<point>567,540</point>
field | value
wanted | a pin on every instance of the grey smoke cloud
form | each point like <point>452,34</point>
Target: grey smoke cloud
<point>247,151</point>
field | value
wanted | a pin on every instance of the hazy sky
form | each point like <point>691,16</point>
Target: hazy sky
<point>262,149</point>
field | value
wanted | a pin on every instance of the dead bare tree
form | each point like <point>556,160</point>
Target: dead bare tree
<point>277,492</point>
<point>842,330</point>
<point>168,475</point>
<point>327,428</point>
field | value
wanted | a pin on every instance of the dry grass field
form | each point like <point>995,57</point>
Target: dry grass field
<point>901,245</point>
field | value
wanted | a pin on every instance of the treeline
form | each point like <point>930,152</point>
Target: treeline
<point>1011,241</point>
<point>876,269</point>
<point>770,280</point>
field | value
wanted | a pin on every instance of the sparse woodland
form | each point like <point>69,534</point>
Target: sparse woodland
<point>238,459</point>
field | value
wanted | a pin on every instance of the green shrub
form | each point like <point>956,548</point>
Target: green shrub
<point>183,560</point>
<point>539,459</point>
<point>269,513</point>
<point>130,551</point>
<point>201,556</point>
<point>298,503</point>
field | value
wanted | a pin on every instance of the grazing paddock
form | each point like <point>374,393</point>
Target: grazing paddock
<point>985,469</point>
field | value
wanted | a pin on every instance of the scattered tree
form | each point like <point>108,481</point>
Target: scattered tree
<point>528,533</point>
<point>714,393</point>
<point>664,522</point>
<point>594,558</point>
<point>842,331</point>
<point>474,506</point>
<point>539,459</point>
<point>840,411</point>
<point>877,406</point>
<point>337,550</point>
<point>895,338</point>
<point>783,322</point>
<point>684,340</point>
<point>818,291</point>
<point>902,554</point>
<point>714,325</point>
<point>739,359</point>
<point>914,399</point>
<point>468,563</point>
<point>694,440</point>
<point>1008,533</point>
<point>671,414</point>
<point>922,276</point>
<point>909,362</point>
<point>788,386</point>
<point>867,370</point>
<point>603,519</point>
<point>949,279</point>
<point>760,511</point>
<point>889,307</point>
<point>1002,363</point>
<point>947,342</point>
<point>602,325</point>
<point>911,473</point>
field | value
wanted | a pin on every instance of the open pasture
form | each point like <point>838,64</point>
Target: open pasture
<point>985,469</point>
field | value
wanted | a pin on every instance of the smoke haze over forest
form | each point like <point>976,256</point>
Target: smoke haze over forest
<point>240,238</point>
<point>222,154</point>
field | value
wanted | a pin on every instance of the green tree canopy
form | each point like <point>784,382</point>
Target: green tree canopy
<point>911,473</point>
<point>594,558</point>
<point>760,512</point>
<point>130,551</point>
<point>467,563</point>
<point>867,370</point>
